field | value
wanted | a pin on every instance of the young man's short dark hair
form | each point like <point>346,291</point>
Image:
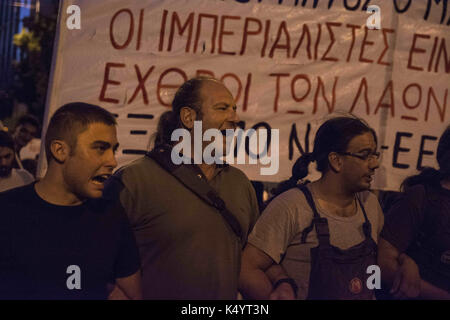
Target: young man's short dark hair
<point>72,119</point>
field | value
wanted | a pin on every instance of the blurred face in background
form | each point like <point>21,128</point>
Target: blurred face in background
<point>6,161</point>
<point>23,134</point>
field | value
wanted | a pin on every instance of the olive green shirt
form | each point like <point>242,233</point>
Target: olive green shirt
<point>188,250</point>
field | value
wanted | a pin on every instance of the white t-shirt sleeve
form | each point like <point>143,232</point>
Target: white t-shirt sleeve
<point>276,227</point>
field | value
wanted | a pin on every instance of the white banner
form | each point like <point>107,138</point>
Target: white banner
<point>289,64</point>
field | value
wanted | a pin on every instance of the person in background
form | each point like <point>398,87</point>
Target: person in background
<point>10,177</point>
<point>414,248</point>
<point>316,241</point>
<point>27,127</point>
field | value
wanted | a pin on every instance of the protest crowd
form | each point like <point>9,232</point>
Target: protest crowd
<point>153,229</point>
<point>233,150</point>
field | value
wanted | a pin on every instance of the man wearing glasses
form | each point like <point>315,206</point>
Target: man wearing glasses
<point>317,241</point>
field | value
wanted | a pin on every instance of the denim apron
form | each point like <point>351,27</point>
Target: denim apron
<point>338,274</point>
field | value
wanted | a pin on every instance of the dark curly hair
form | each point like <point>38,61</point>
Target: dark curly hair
<point>431,176</point>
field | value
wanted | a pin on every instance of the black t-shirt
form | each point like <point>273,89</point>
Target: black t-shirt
<point>419,224</point>
<point>61,252</point>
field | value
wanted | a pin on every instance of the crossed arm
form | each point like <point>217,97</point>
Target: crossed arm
<point>258,273</point>
<point>127,288</point>
<point>401,273</point>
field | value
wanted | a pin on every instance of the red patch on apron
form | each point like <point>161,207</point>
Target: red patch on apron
<point>355,286</point>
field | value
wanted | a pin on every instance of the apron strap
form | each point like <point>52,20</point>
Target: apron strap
<point>321,224</point>
<point>367,227</point>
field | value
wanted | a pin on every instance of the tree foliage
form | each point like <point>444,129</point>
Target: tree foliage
<point>31,71</point>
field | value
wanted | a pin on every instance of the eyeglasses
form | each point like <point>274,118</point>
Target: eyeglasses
<point>364,155</point>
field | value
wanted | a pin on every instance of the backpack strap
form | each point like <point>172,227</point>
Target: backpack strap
<point>196,183</point>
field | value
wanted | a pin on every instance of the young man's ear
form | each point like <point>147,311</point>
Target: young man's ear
<point>60,150</point>
<point>187,117</point>
<point>335,162</point>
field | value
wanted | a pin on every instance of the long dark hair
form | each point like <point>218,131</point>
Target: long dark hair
<point>333,135</point>
<point>188,95</point>
<point>431,176</point>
